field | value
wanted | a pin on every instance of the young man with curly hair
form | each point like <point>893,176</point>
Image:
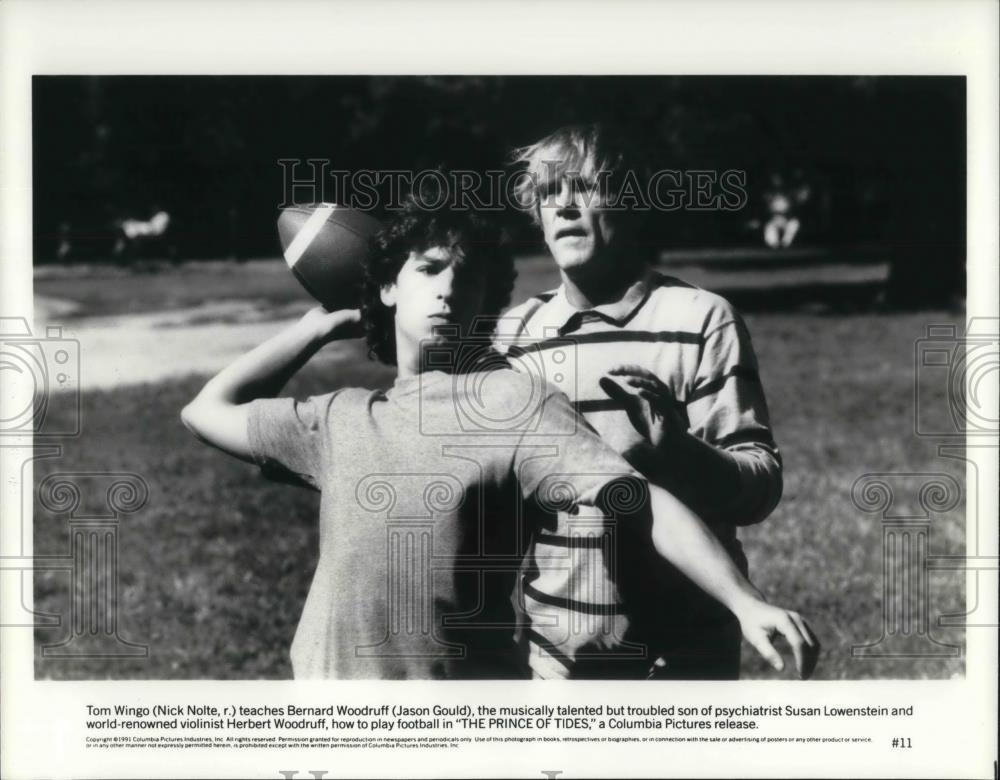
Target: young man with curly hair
<point>420,540</point>
<point>665,372</point>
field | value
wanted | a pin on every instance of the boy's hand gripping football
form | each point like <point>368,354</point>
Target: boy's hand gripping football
<point>332,325</point>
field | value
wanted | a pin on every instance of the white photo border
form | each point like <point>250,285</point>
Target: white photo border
<point>954,732</point>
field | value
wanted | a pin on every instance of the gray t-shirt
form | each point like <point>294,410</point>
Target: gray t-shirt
<point>422,530</point>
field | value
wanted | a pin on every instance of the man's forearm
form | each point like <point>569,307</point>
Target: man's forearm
<point>701,475</point>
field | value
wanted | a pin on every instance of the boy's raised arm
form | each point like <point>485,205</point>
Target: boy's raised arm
<point>218,414</point>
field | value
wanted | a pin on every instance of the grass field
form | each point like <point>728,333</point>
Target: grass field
<point>214,569</point>
<point>101,290</point>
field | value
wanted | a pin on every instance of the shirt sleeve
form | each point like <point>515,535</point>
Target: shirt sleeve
<point>289,439</point>
<point>564,462</point>
<point>726,407</point>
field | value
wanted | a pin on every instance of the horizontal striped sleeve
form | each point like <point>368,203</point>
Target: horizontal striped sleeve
<point>727,408</point>
<point>726,397</point>
<point>713,386</point>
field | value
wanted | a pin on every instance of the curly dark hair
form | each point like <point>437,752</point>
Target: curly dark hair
<point>417,227</point>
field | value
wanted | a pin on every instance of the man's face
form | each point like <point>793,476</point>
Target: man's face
<point>580,233</point>
<point>437,295</point>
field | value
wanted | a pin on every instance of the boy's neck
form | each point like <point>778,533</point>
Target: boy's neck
<point>408,361</point>
<point>467,355</point>
<point>405,370</point>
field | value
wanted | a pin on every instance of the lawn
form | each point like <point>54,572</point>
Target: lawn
<point>214,569</point>
<point>155,286</point>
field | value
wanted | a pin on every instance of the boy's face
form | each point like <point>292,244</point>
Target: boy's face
<point>580,233</point>
<point>436,294</point>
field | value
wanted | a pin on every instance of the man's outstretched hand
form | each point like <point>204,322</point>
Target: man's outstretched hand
<point>649,403</point>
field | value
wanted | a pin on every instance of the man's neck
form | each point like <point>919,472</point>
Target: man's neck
<point>585,292</point>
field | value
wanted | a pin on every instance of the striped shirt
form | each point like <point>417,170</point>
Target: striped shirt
<point>698,346</point>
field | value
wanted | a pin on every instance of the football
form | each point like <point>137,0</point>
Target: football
<point>325,246</point>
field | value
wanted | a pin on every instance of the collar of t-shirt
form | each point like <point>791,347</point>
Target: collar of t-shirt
<point>566,318</point>
<point>423,381</point>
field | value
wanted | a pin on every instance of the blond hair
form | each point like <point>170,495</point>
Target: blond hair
<point>590,152</point>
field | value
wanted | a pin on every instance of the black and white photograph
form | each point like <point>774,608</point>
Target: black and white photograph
<point>677,382</point>
<point>680,280</point>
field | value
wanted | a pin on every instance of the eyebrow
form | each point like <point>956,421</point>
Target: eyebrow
<point>423,258</point>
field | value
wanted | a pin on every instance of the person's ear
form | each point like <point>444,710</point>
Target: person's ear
<point>388,295</point>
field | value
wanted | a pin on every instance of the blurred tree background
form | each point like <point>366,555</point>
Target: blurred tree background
<point>881,161</point>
